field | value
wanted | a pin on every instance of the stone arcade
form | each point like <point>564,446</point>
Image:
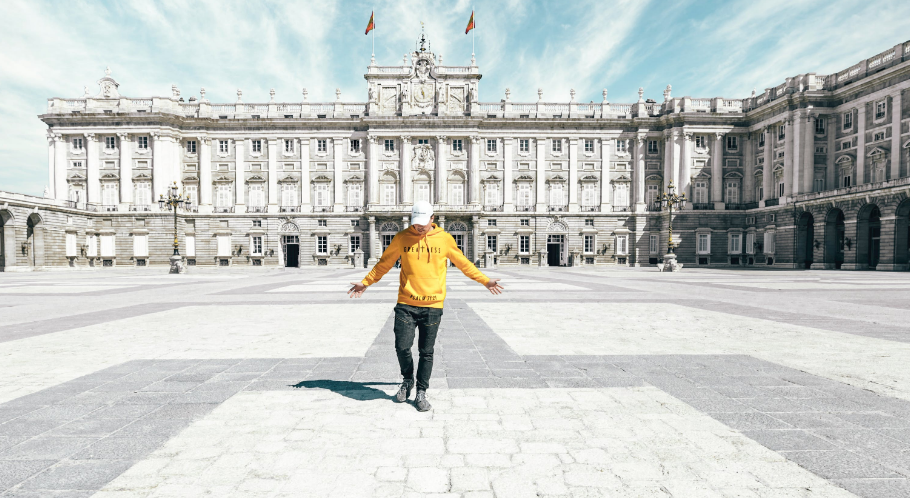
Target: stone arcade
<point>811,173</point>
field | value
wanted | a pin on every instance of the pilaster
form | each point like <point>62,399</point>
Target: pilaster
<point>541,193</point>
<point>373,176</point>
<point>126,171</point>
<point>896,134</point>
<point>573,175</point>
<point>861,145</point>
<point>239,176</point>
<point>767,169</point>
<point>808,156</point>
<point>748,186</point>
<point>405,178</point>
<point>304,175</point>
<point>273,175</point>
<point>605,189</point>
<point>638,174</point>
<point>205,175</point>
<point>338,177</point>
<point>60,167</point>
<point>51,181</point>
<point>92,170</point>
<point>475,172</point>
<point>717,172</point>
<point>685,167</point>
<point>441,182</point>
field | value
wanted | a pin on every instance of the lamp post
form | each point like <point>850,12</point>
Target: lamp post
<point>667,200</point>
<point>173,201</point>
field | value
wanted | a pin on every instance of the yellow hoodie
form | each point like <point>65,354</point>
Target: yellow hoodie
<point>423,266</point>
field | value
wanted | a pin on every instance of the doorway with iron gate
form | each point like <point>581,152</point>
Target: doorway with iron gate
<point>290,247</point>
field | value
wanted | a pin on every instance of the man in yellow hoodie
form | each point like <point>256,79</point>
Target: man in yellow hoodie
<point>423,248</point>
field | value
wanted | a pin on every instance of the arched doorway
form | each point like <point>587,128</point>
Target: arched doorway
<point>805,235</point>
<point>868,237</point>
<point>34,241</point>
<point>834,239</point>
<point>557,244</point>
<point>902,236</point>
<point>7,240</point>
<point>289,233</point>
<point>387,232</point>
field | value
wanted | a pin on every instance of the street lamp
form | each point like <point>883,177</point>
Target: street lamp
<point>173,201</point>
<point>668,200</point>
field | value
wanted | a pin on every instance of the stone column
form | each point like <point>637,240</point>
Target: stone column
<point>374,240</point>
<point>338,177</point>
<point>507,174</point>
<point>239,176</point>
<point>717,172</point>
<point>273,175</point>
<point>126,171</point>
<point>685,167</point>
<point>748,186</point>
<point>895,135</point>
<point>788,160</point>
<point>767,170</point>
<point>675,168</point>
<point>475,236</point>
<point>205,175</point>
<point>405,179</point>
<point>668,157</point>
<point>372,173</point>
<point>304,175</point>
<point>638,174</point>
<point>159,167</point>
<point>797,162</point>
<point>573,175</point>
<point>808,156</point>
<point>92,170</point>
<point>605,175</point>
<point>51,180</point>
<point>861,145</point>
<point>441,180</point>
<point>60,167</point>
<point>541,181</point>
<point>475,171</point>
<point>830,167</point>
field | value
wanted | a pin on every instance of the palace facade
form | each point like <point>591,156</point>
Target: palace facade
<point>812,173</point>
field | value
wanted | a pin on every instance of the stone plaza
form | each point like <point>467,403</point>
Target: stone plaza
<point>575,382</point>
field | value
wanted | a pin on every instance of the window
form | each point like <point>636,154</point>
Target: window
<point>491,194</point>
<point>760,189</point>
<point>288,194</point>
<point>589,244</point>
<point>735,243</point>
<point>491,243</point>
<point>257,223</point>
<point>621,195</point>
<point>524,243</point>
<point>780,188</point>
<point>354,244</point>
<point>524,145</point>
<point>820,126</point>
<point>651,196</point>
<point>223,146</point>
<point>654,243</point>
<point>77,164</point>
<point>190,145</point>
<point>355,146</point>
<point>491,145</point>
<point>732,192</point>
<point>845,145</point>
<point>423,141</point>
<point>289,145</point>
<point>322,223</point>
<point>256,245</point>
<point>223,195</point>
<point>257,195</point>
<point>322,145</point>
<point>878,136</point>
<point>700,192</point>
<point>621,146</point>
<point>622,244</point>
<point>589,145</point>
<point>556,145</point>
<point>388,194</point>
<point>192,194</point>
<point>77,144</point>
<point>653,147</point>
<point>422,192</point>
<point>769,243</point>
<point>355,194</point>
<point>704,243</point>
<point>70,244</point>
<point>750,243</point>
<point>109,194</point>
<point>322,195</point>
<point>142,194</point>
<point>525,222</point>
<point>224,245</point>
<point>589,222</point>
<point>732,143</point>
<point>110,142</point>
<point>556,195</point>
<point>355,223</point>
<point>524,195</point>
<point>847,180</point>
<point>781,132</point>
<point>107,246</point>
<point>256,145</point>
<point>322,244</point>
<point>819,185</point>
<point>821,149</point>
<point>880,109</point>
<point>389,144</point>
<point>699,141</point>
<point>761,139</point>
<point>848,120</point>
<point>457,145</point>
<point>588,194</point>
<point>491,223</point>
<point>92,250</point>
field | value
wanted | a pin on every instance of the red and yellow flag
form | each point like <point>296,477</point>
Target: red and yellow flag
<point>470,23</point>
<point>371,26</point>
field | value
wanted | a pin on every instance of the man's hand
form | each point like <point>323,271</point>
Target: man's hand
<point>357,289</point>
<point>493,286</point>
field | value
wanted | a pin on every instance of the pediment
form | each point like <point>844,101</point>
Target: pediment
<point>733,174</point>
<point>876,150</point>
<point>703,174</point>
<point>622,179</point>
<point>322,179</point>
<point>76,176</point>
<point>191,178</point>
<point>355,179</point>
<point>846,158</point>
<point>588,178</point>
<point>255,178</point>
<point>288,179</point>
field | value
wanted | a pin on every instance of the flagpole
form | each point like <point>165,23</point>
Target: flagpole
<point>472,32</point>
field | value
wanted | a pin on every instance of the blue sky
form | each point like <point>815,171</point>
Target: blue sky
<point>704,49</point>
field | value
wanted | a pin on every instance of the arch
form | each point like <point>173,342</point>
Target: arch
<point>902,236</point>
<point>388,227</point>
<point>7,239</point>
<point>733,174</point>
<point>289,227</point>
<point>388,176</point>
<point>558,226</point>
<point>868,237</point>
<point>457,175</point>
<point>34,239</point>
<point>834,239</point>
<point>457,226</point>
<point>805,236</point>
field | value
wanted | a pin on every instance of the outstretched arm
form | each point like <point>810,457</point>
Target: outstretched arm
<point>388,259</point>
<point>467,267</point>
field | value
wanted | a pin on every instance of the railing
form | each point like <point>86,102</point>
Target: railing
<point>649,108</point>
<point>141,102</point>
<point>322,209</point>
<point>735,206</point>
<point>288,107</point>
<point>750,205</point>
<point>772,202</point>
<point>390,208</point>
<point>620,108</point>
<point>353,209</point>
<point>653,207</point>
<point>194,208</point>
<point>863,187</point>
<point>72,204</point>
<point>255,209</point>
<point>701,103</point>
<point>109,208</point>
<point>223,108</point>
<point>621,209</point>
<point>733,104</point>
<point>355,109</point>
<point>489,107</point>
<point>492,208</point>
<point>590,209</point>
<point>524,108</point>
<point>224,209</point>
<point>394,69</point>
<point>326,109</point>
<point>289,209</point>
<point>558,208</point>
<point>449,69</point>
<point>703,206</point>
<point>458,208</point>
<point>263,108</point>
<point>554,108</point>
<point>141,207</point>
<point>74,103</point>
<point>525,209</point>
<point>191,110</point>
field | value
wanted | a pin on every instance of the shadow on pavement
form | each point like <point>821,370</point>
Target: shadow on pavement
<point>354,390</point>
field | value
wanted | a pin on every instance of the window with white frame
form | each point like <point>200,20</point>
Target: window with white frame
<point>457,194</point>
<point>223,146</point>
<point>288,194</point>
<point>109,194</point>
<point>621,195</point>
<point>622,244</point>
<point>190,246</point>
<point>492,243</point>
<point>491,145</point>
<point>699,141</point>
<point>524,244</point>
<point>92,242</point>
<point>846,145</point>
<point>589,145</point>
<point>761,139</point>
<point>257,195</point>
<point>322,244</point>
<point>70,244</point>
<point>355,194</point>
<point>355,146</point>
<point>653,147</point>
<point>819,185</point>
<point>110,143</point>
<point>881,108</point>
<point>524,145</point>
<point>289,145</point>
<point>322,223</point>
<point>422,192</point>
<point>821,149</point>
<point>820,126</point>
<point>653,243</point>
<point>556,145</point>
<point>107,246</point>
<point>750,243</point>
<point>322,145</point>
<point>224,245</point>
<point>256,245</point>
<point>769,243</point>
<point>389,144</point>
<point>878,136</point>
<point>192,193</point>
<point>848,120</point>
<point>223,195</point>
<point>190,145</point>
<point>588,194</point>
<point>256,146</point>
<point>700,192</point>
<point>321,194</point>
<point>651,195</point>
<point>735,243</point>
<point>457,145</point>
<point>524,195</point>
<point>141,142</point>
<point>353,244</point>
<point>76,164</point>
<point>732,192</point>
<point>732,143</point>
<point>423,141</point>
<point>77,144</point>
<point>388,194</point>
<point>759,188</point>
<point>781,132</point>
<point>140,246</point>
<point>142,194</point>
<point>556,194</point>
<point>589,244</point>
<point>780,187</point>
<point>491,194</point>
<point>704,243</point>
<point>525,222</point>
<point>621,146</point>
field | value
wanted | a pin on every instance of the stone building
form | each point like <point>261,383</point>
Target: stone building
<point>810,173</point>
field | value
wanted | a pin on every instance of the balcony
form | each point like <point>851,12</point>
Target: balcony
<point>622,209</point>
<point>289,209</point>
<point>653,207</point>
<point>562,208</point>
<point>492,208</point>
<point>322,209</point>
<point>140,207</point>
<point>703,206</point>
<point>224,209</point>
<point>72,204</point>
<point>94,208</point>
<point>194,208</point>
<point>525,209</point>
<point>771,202</point>
<point>353,209</point>
<point>109,208</point>
<point>741,206</point>
<point>590,209</point>
<point>255,209</point>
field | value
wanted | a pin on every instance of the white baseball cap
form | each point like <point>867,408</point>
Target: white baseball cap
<point>421,212</point>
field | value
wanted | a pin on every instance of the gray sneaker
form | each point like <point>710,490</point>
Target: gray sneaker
<point>421,402</point>
<point>404,391</point>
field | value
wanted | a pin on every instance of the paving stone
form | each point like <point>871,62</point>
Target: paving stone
<point>13,472</point>
<point>789,440</point>
<point>839,464</point>
<point>90,427</point>
<point>46,448</point>
<point>78,475</point>
<point>120,448</point>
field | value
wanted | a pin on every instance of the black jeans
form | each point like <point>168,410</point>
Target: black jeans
<point>426,320</point>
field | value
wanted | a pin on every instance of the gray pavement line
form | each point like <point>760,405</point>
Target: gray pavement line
<point>40,327</point>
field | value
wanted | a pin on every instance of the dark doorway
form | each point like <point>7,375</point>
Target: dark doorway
<point>291,249</point>
<point>834,239</point>
<point>553,251</point>
<point>875,238</point>
<point>804,241</point>
<point>868,237</point>
<point>902,236</point>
